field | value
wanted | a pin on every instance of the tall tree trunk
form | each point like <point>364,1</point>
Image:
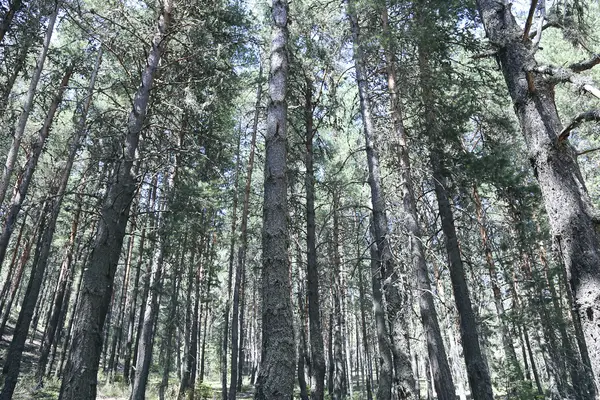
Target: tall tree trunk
<point>515,374</point>
<point>442,377</point>
<point>570,212</point>
<point>172,321</point>
<point>278,361</point>
<point>317,355</point>
<point>386,363</point>
<point>22,263</point>
<point>144,355</point>
<point>81,373</point>
<point>12,366</point>
<point>477,369</point>
<point>131,306</point>
<point>56,206</point>
<point>11,157</point>
<point>395,299</point>
<point>230,277</point>
<point>32,160</point>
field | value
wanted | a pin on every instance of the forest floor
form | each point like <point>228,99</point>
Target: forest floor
<point>27,386</point>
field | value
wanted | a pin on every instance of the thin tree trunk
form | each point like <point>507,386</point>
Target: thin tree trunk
<point>442,377</point>
<point>80,378</point>
<point>395,299</point>
<point>514,368</point>
<point>11,157</point>
<point>278,361</point>
<point>12,367</point>
<point>317,388</point>
<point>230,279</point>
<point>144,354</point>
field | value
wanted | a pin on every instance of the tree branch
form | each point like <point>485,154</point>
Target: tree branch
<point>529,20</point>
<point>586,64</point>
<point>593,115</point>
<point>588,151</point>
<point>562,75</point>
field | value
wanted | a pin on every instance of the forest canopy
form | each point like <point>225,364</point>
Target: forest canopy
<point>312,199</point>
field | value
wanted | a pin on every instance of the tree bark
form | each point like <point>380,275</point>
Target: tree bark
<point>278,361</point>
<point>442,377</point>
<point>573,221</point>
<point>144,355</point>
<point>80,378</point>
<point>317,388</point>
<point>395,299</point>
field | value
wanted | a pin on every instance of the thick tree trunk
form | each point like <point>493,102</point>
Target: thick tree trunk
<point>81,373</point>
<point>278,361</point>
<point>573,222</point>
<point>395,299</point>
<point>11,157</point>
<point>317,388</point>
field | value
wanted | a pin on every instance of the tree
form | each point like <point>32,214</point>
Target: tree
<point>278,361</point>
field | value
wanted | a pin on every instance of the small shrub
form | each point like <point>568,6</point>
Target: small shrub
<point>203,391</point>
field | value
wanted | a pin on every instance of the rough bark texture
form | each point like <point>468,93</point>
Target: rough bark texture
<point>80,378</point>
<point>277,370</point>
<point>386,364</point>
<point>573,224</point>
<point>395,299</point>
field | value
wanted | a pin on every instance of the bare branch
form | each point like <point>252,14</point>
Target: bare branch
<point>592,115</point>
<point>529,20</point>
<point>586,64</point>
<point>588,151</point>
<point>562,75</point>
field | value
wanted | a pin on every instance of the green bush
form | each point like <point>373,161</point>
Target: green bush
<point>203,391</point>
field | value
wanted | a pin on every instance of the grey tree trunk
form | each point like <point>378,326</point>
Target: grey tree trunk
<point>573,222</point>
<point>317,389</point>
<point>57,203</point>
<point>442,377</point>
<point>395,299</point>
<point>80,378</point>
<point>144,355</point>
<point>386,363</point>
<point>11,157</point>
<point>477,369</point>
<point>515,374</point>
<point>13,364</point>
<point>278,361</point>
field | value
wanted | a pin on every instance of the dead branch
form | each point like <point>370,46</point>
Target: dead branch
<point>592,115</point>
<point>529,20</point>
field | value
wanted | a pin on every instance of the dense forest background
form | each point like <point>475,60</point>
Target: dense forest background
<point>312,199</point>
